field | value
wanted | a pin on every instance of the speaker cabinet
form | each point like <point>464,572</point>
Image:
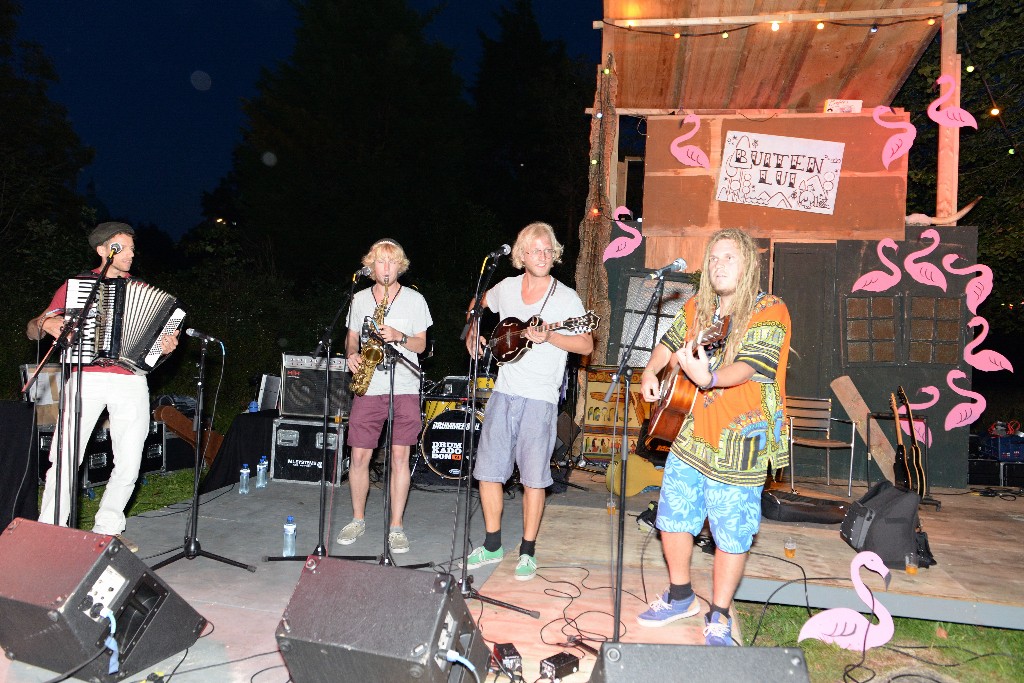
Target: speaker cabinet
<point>349,621</point>
<point>55,581</point>
<point>302,386</point>
<point>629,662</point>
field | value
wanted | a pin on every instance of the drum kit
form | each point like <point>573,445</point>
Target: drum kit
<point>449,423</point>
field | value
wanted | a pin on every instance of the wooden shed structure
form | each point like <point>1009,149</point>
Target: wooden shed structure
<point>779,95</point>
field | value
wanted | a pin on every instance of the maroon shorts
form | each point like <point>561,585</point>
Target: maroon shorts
<point>369,413</point>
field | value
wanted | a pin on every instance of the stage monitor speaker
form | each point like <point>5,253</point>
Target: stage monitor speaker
<point>349,621</point>
<point>55,581</point>
<point>302,386</point>
<point>628,662</point>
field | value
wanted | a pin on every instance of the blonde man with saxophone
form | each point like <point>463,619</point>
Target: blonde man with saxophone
<point>391,313</point>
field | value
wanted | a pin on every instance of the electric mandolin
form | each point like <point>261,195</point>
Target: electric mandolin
<point>509,342</point>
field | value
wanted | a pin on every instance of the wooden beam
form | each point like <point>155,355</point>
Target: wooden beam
<point>947,180</point>
<point>783,18</point>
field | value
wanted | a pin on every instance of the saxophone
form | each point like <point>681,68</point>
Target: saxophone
<point>372,352</point>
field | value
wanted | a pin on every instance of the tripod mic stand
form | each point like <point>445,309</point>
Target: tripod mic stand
<point>472,329</point>
<point>192,549</point>
<point>624,369</point>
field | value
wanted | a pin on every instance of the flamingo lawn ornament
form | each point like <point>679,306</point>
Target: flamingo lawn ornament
<point>626,244</point>
<point>848,628</point>
<point>977,288</point>
<point>986,360</point>
<point>923,432</point>
<point>689,155</point>
<point>952,116</point>
<point>924,272</point>
<point>879,280</point>
<point>963,414</point>
<point>898,144</point>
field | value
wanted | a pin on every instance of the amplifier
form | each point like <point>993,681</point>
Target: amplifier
<point>302,386</point>
<point>297,450</point>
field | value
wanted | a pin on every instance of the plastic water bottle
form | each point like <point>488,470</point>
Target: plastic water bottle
<point>261,473</point>
<point>243,480</point>
<point>289,537</point>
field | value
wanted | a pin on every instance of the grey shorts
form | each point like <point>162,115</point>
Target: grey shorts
<point>517,431</point>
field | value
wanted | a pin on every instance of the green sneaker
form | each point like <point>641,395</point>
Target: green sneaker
<point>526,569</point>
<point>481,556</point>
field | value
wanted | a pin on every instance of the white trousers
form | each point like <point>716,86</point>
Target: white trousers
<point>126,398</point>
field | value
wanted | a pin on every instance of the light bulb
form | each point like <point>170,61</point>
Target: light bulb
<point>725,34</point>
<point>970,68</point>
<point>821,25</point>
<point>775,26</point>
<point>994,111</point>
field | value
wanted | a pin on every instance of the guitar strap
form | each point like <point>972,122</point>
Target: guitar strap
<point>554,283</point>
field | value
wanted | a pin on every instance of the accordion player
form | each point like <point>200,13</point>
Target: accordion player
<point>124,326</point>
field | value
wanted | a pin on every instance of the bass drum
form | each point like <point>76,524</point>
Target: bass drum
<point>446,439</point>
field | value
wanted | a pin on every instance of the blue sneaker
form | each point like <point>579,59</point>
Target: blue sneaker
<point>664,611</point>
<point>717,630</point>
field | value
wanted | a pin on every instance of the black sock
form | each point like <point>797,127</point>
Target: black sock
<point>492,541</point>
<point>679,591</point>
<point>528,547</point>
<point>724,611</point>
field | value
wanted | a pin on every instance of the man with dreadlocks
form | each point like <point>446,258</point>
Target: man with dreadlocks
<point>735,429</point>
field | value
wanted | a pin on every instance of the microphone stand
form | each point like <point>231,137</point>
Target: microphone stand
<point>192,548</point>
<point>69,334</point>
<point>627,371</point>
<point>325,346</point>
<point>469,451</point>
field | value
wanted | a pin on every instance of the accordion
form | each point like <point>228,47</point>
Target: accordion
<point>124,326</point>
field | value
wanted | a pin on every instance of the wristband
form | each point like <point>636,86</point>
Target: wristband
<point>711,384</point>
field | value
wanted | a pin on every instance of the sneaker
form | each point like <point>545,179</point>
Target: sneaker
<point>398,541</point>
<point>717,630</point>
<point>526,569</point>
<point>481,556</point>
<point>664,611</point>
<point>352,531</point>
<point>128,543</point>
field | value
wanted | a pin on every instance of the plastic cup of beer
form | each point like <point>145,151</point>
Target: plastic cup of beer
<point>790,547</point>
<point>911,563</point>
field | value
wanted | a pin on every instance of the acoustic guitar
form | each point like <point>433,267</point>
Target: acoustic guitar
<point>915,459</point>
<point>182,426</point>
<point>900,470</point>
<point>677,392</point>
<point>509,342</point>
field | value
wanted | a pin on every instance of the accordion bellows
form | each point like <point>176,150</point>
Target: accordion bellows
<point>125,326</point>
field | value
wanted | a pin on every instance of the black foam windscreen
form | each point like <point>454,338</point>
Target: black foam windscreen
<point>349,621</point>
<point>629,662</point>
<point>54,618</point>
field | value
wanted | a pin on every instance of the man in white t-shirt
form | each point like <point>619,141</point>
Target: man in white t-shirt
<point>522,413</point>
<point>406,320</point>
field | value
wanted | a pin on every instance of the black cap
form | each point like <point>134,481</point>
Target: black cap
<point>104,231</point>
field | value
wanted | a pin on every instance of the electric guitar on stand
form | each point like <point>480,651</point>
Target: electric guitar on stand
<point>915,460</point>
<point>508,342</point>
<point>900,469</point>
<point>678,392</point>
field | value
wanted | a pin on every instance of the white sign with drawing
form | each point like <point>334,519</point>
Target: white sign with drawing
<point>780,172</point>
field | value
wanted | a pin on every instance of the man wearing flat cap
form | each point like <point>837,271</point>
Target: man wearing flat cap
<point>124,394</point>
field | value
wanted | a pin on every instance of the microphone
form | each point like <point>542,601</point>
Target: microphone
<point>677,266</point>
<point>193,332</point>
<point>115,248</point>
<point>503,250</point>
<point>362,272</point>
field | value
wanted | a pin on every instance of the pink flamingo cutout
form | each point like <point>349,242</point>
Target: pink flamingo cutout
<point>952,116</point>
<point>963,414</point>
<point>879,280</point>
<point>923,432</point>
<point>689,155</point>
<point>848,628</point>
<point>986,359</point>
<point>626,244</point>
<point>924,272</point>
<point>977,288</point>
<point>900,143</point>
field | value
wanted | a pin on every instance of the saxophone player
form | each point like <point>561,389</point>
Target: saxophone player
<point>399,316</point>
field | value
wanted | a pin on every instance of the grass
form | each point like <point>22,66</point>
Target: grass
<point>919,651</point>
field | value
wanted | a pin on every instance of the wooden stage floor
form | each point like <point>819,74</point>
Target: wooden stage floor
<point>976,540</point>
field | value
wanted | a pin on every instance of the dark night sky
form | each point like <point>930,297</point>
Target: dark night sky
<point>155,88</point>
